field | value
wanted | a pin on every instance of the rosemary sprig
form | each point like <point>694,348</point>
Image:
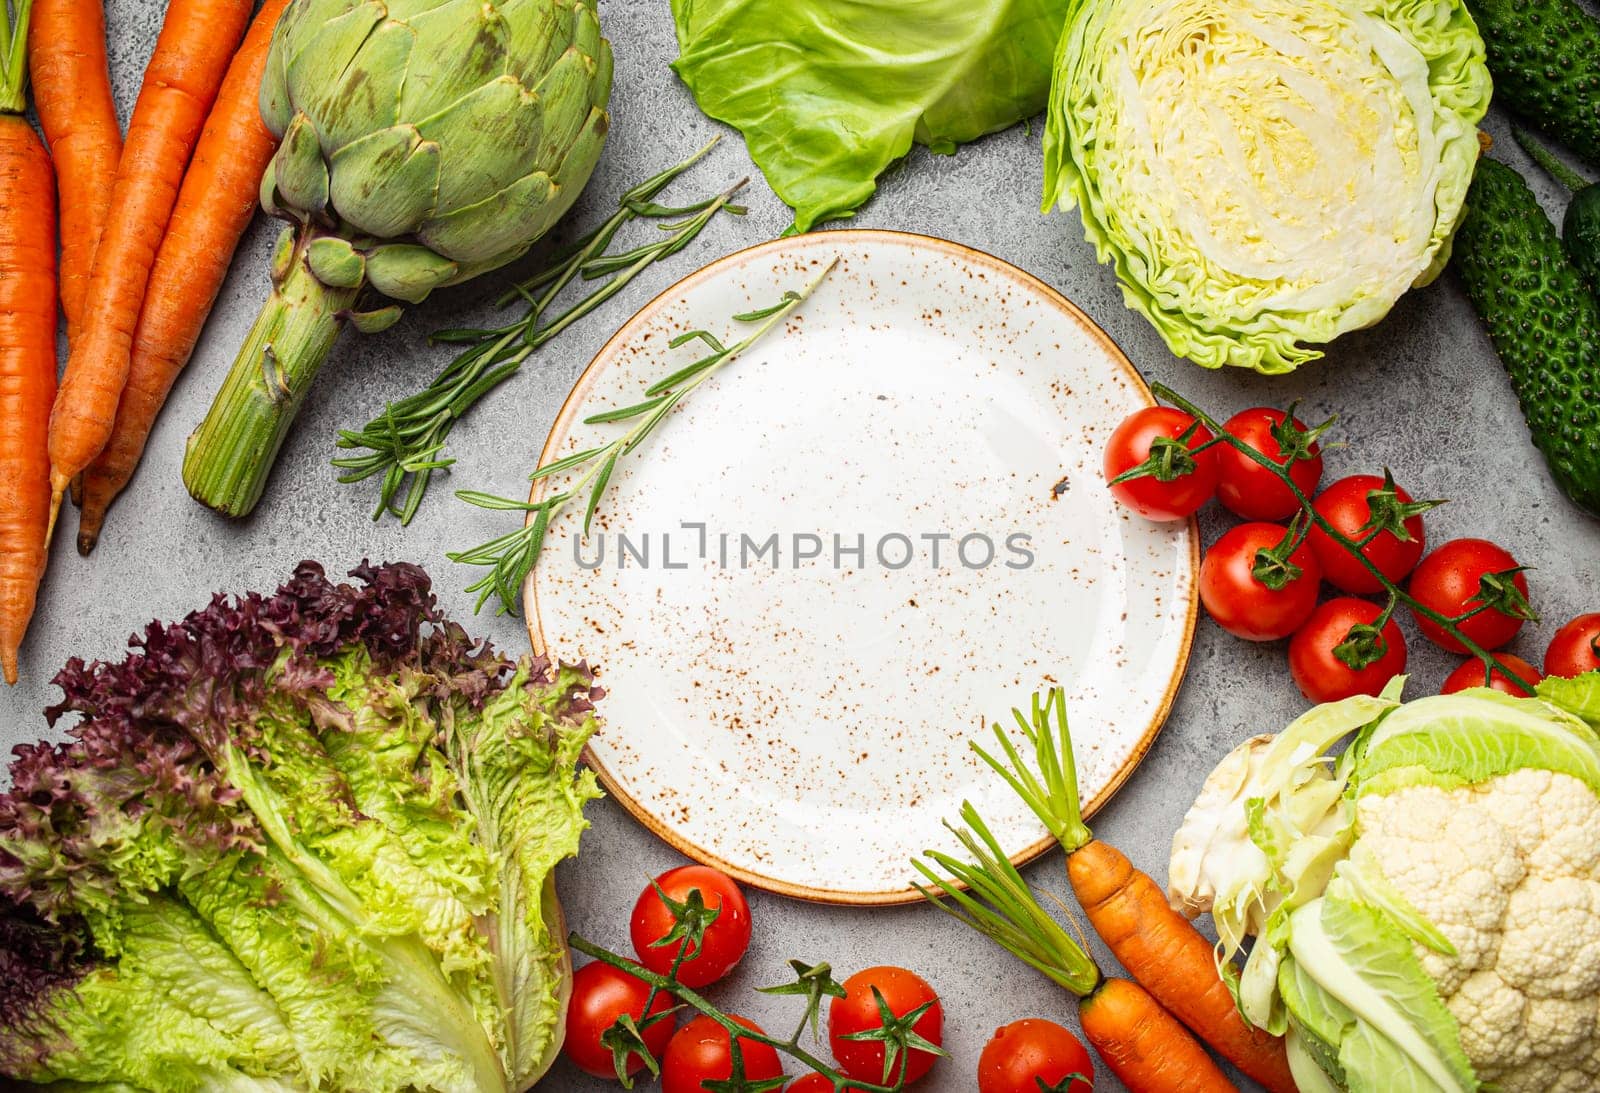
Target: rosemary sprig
<point>512,556</point>
<point>1364,644</point>
<point>812,982</point>
<point>404,445</point>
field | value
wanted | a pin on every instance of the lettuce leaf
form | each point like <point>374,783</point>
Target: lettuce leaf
<point>829,93</point>
<point>298,841</point>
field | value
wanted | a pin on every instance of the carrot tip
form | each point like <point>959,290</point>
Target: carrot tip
<point>55,511</point>
<point>86,541</point>
<point>9,657</point>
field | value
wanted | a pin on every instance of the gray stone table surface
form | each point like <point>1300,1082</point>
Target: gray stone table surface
<point>1421,393</point>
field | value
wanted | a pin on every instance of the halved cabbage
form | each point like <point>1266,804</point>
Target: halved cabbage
<point>1266,175</point>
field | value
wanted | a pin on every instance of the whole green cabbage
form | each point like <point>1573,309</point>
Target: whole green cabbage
<point>1265,175</point>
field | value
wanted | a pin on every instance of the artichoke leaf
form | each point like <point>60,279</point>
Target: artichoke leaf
<point>478,232</point>
<point>408,272</point>
<point>490,136</point>
<point>387,184</point>
<point>320,50</point>
<point>460,45</point>
<point>300,177</point>
<point>536,37</point>
<point>335,262</point>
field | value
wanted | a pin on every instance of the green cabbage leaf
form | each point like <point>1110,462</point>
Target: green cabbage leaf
<point>1265,175</point>
<point>830,93</point>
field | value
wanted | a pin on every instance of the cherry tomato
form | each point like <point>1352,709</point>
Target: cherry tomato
<point>1345,505</point>
<point>1448,582</point>
<point>1151,497</point>
<point>1025,1056</point>
<point>1471,674</point>
<point>700,1053</point>
<point>726,939</point>
<point>1575,649</point>
<point>1242,604</point>
<point>858,1012</point>
<point>1247,488</point>
<point>1318,671</point>
<point>600,995</point>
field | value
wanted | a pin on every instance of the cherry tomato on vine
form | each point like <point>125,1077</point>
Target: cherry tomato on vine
<point>1025,1056</point>
<point>1347,505</point>
<point>1471,674</point>
<point>1575,649</point>
<point>700,1053</point>
<point>1451,581</point>
<point>1318,670</point>
<point>857,1011</point>
<point>725,940</point>
<point>1250,490</point>
<point>1243,603</point>
<point>1193,475</point>
<point>600,995</point>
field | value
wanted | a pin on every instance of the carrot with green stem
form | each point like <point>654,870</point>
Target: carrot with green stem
<point>1157,945</point>
<point>197,40</point>
<point>1141,1042</point>
<point>27,340</point>
<point>215,205</point>
<point>72,94</point>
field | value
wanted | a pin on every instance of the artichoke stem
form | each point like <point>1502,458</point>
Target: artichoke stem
<point>231,454</point>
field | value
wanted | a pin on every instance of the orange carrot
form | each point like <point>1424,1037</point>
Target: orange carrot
<point>214,207</point>
<point>1163,951</point>
<point>1144,1046</point>
<point>1158,946</point>
<point>72,93</point>
<point>27,352</point>
<point>192,52</point>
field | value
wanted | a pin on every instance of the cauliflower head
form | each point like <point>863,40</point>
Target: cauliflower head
<point>1455,942</point>
<point>1521,974</point>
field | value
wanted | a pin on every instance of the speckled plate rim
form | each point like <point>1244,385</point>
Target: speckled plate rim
<point>608,356</point>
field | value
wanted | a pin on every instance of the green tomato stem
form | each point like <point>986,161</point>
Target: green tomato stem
<point>231,454</point>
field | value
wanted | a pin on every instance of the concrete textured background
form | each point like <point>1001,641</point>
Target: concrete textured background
<point>1422,393</point>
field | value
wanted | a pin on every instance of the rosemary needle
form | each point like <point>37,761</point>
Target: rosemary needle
<point>404,445</point>
<point>511,557</point>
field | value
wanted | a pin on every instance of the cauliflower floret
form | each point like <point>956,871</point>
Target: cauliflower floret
<point>1552,938</point>
<point>1509,872</point>
<point>1417,833</point>
<point>1491,1015</point>
<point>1560,1026</point>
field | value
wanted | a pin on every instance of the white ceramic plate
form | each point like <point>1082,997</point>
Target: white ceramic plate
<point>805,726</point>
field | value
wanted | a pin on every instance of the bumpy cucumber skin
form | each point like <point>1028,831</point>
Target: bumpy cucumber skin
<point>1543,321</point>
<point>1545,59</point>
<point>1580,231</point>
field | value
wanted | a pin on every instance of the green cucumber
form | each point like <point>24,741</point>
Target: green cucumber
<point>1580,229</point>
<point>1543,320</point>
<point>1544,56</point>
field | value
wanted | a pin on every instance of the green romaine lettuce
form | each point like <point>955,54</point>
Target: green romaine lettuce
<point>829,93</point>
<point>1266,175</point>
<point>298,841</point>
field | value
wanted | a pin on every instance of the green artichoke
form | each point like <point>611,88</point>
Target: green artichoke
<point>423,142</point>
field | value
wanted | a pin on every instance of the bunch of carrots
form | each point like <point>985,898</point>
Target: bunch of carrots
<point>1151,1029</point>
<point>148,227</point>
